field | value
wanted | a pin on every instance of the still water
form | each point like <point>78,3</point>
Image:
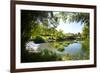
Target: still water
<point>72,49</point>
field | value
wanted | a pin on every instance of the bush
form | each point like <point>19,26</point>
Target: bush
<point>61,48</point>
<point>38,39</point>
<point>43,56</point>
<point>86,48</point>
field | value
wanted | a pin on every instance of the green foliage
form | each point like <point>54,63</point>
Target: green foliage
<point>61,48</point>
<point>40,27</point>
<point>38,39</point>
<point>86,41</point>
<point>86,48</point>
<point>67,57</point>
<point>44,55</point>
<point>73,57</point>
<point>30,20</point>
<point>85,44</point>
<point>75,17</point>
<point>85,32</point>
<point>60,45</point>
<point>84,19</point>
<point>48,53</point>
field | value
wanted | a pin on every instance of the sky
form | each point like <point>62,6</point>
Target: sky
<point>70,27</point>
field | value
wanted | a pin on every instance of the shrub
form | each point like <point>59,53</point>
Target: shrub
<point>61,48</point>
<point>44,55</point>
<point>38,39</point>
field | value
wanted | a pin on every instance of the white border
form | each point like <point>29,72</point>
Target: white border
<point>20,65</point>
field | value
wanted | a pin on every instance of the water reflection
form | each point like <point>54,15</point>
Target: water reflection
<point>72,49</point>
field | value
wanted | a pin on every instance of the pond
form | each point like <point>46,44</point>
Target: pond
<point>72,49</point>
